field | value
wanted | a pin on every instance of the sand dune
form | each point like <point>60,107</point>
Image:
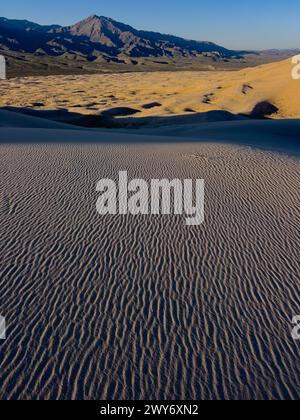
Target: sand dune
<point>18,120</point>
<point>172,93</point>
<point>123,307</point>
<point>277,135</point>
<point>128,308</point>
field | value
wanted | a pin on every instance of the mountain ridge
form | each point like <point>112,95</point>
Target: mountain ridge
<point>100,34</point>
<point>102,44</point>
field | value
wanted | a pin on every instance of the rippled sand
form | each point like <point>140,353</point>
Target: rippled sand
<point>144,307</point>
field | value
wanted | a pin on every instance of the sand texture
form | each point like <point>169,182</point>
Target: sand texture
<point>123,307</point>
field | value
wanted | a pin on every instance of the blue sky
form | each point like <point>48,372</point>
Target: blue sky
<point>255,24</point>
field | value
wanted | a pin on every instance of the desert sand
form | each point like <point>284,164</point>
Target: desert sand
<point>161,93</point>
<point>124,307</point>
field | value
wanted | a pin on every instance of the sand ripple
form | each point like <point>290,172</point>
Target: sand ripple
<point>123,307</point>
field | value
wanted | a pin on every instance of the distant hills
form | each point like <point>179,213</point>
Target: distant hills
<point>98,43</point>
<point>283,53</point>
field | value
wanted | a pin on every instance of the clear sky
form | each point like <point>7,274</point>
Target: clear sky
<point>241,24</point>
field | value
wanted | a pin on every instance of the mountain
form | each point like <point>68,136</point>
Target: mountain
<point>22,35</point>
<point>123,39</point>
<point>98,44</point>
<point>98,35</point>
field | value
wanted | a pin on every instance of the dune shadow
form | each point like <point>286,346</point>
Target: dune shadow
<point>212,126</point>
<point>125,117</point>
<point>192,117</point>
<point>105,119</point>
<point>122,117</point>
